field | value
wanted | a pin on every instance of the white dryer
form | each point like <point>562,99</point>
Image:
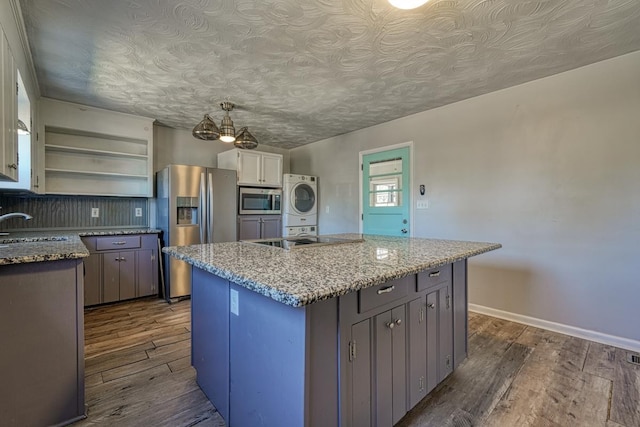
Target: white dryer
<point>300,200</point>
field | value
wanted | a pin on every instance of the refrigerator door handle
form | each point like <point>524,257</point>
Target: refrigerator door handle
<point>202,207</point>
<point>210,209</point>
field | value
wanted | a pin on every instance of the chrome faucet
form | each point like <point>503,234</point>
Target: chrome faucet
<point>15,215</point>
<point>24,216</point>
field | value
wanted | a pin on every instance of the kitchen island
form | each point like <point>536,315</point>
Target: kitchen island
<point>353,334</point>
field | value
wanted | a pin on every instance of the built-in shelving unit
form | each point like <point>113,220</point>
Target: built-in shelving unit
<point>111,160</point>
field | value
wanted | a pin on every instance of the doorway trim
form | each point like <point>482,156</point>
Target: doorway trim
<point>363,153</point>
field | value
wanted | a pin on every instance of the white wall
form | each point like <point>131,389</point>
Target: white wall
<point>550,169</point>
<point>178,146</point>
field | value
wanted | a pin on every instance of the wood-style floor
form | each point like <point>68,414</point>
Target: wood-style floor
<point>138,373</point>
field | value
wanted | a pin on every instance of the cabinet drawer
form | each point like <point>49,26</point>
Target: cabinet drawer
<point>433,277</point>
<point>376,296</point>
<point>117,242</point>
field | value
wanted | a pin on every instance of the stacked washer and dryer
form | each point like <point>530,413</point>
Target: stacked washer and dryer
<point>300,205</point>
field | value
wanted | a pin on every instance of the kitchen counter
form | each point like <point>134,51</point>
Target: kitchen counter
<point>302,276</point>
<point>37,246</point>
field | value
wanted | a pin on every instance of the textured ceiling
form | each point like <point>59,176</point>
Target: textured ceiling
<point>305,70</point>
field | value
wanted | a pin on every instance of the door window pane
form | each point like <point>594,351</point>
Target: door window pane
<point>385,183</point>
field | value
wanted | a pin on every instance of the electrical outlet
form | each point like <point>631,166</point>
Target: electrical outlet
<point>95,212</point>
<point>235,302</point>
<point>326,209</point>
<point>422,204</point>
<point>138,212</point>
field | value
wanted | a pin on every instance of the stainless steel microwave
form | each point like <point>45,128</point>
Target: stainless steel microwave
<point>260,201</point>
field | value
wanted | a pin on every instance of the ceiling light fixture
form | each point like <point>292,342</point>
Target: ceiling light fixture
<point>227,131</point>
<point>208,131</point>
<point>407,4</point>
<point>22,128</point>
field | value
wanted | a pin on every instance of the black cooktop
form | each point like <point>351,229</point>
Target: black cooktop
<point>301,242</point>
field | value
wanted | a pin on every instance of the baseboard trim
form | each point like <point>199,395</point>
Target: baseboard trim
<point>573,331</point>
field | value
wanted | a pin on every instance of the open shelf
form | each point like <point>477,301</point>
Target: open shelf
<point>80,162</point>
<point>67,149</point>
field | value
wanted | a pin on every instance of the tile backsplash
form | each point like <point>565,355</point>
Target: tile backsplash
<point>74,212</point>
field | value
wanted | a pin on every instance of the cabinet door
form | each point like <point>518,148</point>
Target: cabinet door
<point>9,114</point>
<point>111,277</point>
<point>271,227</point>
<point>92,279</point>
<point>127,275</point>
<point>249,168</point>
<point>432,340</point>
<point>249,227</point>
<point>272,169</point>
<point>417,369</point>
<point>145,265</point>
<point>360,374</point>
<point>445,334</point>
<point>390,366</point>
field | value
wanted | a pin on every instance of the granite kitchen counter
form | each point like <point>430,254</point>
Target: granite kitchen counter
<point>301,276</point>
<point>36,246</point>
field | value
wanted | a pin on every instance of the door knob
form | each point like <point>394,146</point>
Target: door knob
<point>404,231</point>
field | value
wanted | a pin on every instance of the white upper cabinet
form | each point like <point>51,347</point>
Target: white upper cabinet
<point>255,168</point>
<point>90,151</point>
<point>8,114</point>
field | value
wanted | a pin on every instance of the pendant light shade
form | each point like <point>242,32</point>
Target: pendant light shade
<point>227,131</point>
<point>245,140</point>
<point>407,4</point>
<point>22,128</point>
<point>206,129</point>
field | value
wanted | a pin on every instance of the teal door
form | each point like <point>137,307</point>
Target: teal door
<point>385,193</point>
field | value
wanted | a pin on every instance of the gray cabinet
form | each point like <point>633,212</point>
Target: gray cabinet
<point>390,366</point>
<point>251,227</point>
<point>42,356</point>
<point>114,274</point>
<point>400,343</point>
<point>360,374</point>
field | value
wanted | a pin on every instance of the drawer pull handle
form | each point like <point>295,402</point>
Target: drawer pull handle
<point>119,243</point>
<point>386,290</point>
<point>431,305</point>
<point>391,325</point>
<point>434,274</point>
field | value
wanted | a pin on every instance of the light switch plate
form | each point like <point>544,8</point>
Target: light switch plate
<point>422,204</point>
<point>138,212</point>
<point>95,212</point>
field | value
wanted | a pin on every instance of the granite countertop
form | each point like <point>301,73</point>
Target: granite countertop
<point>36,246</point>
<point>302,276</point>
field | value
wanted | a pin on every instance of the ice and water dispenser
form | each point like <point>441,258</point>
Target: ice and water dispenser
<point>187,210</point>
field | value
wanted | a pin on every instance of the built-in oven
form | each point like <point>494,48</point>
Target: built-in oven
<point>259,201</point>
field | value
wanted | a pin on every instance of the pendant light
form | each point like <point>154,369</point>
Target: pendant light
<point>227,131</point>
<point>22,128</point>
<point>407,4</point>
<point>245,140</point>
<point>207,130</point>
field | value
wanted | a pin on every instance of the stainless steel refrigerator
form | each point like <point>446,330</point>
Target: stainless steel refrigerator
<point>194,205</point>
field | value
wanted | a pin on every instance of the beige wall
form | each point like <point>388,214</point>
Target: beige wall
<point>178,146</point>
<point>550,169</point>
